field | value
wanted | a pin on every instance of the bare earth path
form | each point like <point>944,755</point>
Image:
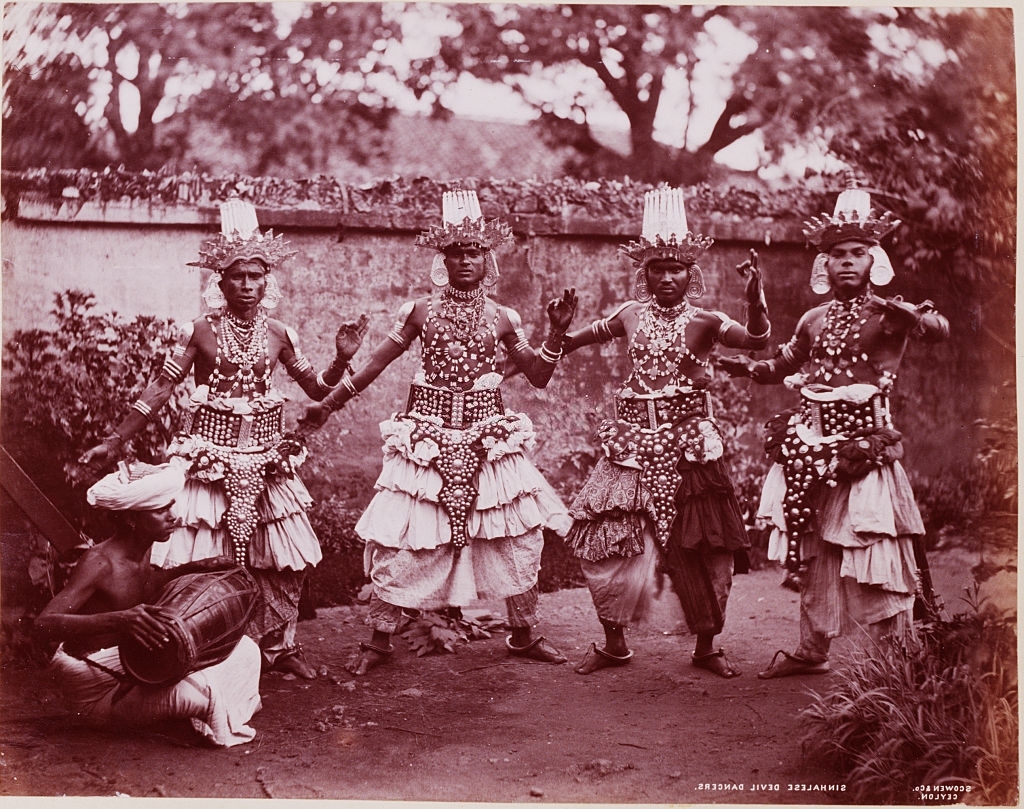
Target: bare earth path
<point>476,725</point>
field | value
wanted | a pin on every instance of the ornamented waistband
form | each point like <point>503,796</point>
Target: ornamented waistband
<point>237,430</point>
<point>840,417</point>
<point>456,410</point>
<point>653,412</point>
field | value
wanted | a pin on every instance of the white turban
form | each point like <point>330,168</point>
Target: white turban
<point>139,488</point>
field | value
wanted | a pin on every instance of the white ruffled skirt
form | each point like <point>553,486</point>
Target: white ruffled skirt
<point>874,519</point>
<point>409,554</point>
<point>284,537</point>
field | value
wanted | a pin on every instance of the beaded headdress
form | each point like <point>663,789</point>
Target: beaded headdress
<point>853,220</point>
<point>665,233</point>
<point>240,239</point>
<point>463,223</point>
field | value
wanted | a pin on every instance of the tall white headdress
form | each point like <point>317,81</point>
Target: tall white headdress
<point>462,222</point>
<point>240,240</point>
<point>665,233</point>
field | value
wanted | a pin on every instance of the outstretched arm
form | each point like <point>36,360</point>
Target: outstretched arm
<point>538,366</point>
<point>789,359</point>
<point>174,370</point>
<point>346,343</point>
<point>405,330</point>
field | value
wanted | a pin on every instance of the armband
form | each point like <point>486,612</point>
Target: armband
<point>601,330</point>
<point>173,370</point>
<point>143,408</point>
<point>765,336</point>
<point>548,355</point>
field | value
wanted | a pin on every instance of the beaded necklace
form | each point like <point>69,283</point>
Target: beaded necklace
<point>662,352</point>
<point>456,351</point>
<point>836,347</point>
<point>243,343</point>
<point>463,310</point>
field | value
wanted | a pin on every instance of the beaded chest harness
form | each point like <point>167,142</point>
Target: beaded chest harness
<point>241,449</point>
<point>658,347</point>
<point>836,349</point>
<point>244,344</point>
<point>458,348</point>
<point>656,433</point>
<point>456,351</point>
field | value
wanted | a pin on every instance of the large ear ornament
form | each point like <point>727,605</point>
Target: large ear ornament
<point>438,271</point>
<point>881,268</point>
<point>819,275</point>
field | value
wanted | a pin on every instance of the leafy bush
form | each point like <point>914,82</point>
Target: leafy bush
<point>339,576</point>
<point>942,711</point>
<point>958,498</point>
<point>67,387</point>
<point>64,388</point>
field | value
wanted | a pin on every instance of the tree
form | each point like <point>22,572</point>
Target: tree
<point>774,71</point>
<point>142,75</point>
<point>940,148</point>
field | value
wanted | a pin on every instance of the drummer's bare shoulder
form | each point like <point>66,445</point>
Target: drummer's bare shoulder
<point>99,582</point>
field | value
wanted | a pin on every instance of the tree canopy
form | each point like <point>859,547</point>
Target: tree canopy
<point>690,81</point>
<point>130,83</point>
<point>911,98</point>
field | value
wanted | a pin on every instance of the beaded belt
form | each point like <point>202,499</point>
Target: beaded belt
<point>456,410</point>
<point>239,430</point>
<point>842,418</point>
<point>653,412</point>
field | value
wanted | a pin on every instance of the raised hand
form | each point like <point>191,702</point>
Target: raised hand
<point>350,337</point>
<point>562,310</point>
<point>753,291</point>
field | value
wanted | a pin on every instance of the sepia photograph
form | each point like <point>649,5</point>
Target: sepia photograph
<point>503,404</point>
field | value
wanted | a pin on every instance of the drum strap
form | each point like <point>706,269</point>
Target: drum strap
<point>126,682</point>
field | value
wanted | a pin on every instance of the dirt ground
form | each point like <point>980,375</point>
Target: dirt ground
<point>478,725</point>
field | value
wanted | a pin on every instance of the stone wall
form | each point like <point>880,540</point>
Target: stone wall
<point>356,254</point>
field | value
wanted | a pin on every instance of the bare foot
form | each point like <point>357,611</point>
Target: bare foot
<point>596,659</point>
<point>295,663</point>
<point>366,658</point>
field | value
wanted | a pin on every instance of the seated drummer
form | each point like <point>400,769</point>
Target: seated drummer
<point>106,601</point>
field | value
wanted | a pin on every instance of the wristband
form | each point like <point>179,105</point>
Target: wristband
<point>548,355</point>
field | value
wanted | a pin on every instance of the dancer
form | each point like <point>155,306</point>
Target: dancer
<point>660,494</point>
<point>837,497</point>
<point>459,510</point>
<point>243,497</point>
